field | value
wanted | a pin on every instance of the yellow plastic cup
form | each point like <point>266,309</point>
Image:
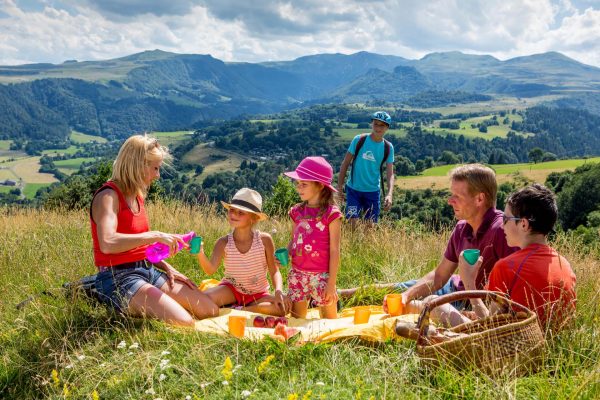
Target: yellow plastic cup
<point>237,325</point>
<point>394,304</point>
<point>361,315</point>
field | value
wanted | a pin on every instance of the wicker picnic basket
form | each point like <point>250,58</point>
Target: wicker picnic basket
<point>511,342</point>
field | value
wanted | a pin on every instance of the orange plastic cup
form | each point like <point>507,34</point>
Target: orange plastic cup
<point>237,325</point>
<point>394,304</point>
<point>361,315</point>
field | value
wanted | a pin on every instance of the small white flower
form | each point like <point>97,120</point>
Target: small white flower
<point>320,383</point>
<point>130,353</point>
<point>238,366</point>
<point>162,377</point>
<point>69,366</point>
<point>225,383</point>
<point>81,357</point>
<point>121,345</point>
<point>150,391</point>
<point>165,353</point>
<point>188,397</point>
<point>274,231</point>
<point>205,384</point>
<point>135,345</point>
<point>246,393</point>
<point>103,365</point>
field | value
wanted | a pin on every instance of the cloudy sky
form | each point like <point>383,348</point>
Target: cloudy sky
<point>233,30</point>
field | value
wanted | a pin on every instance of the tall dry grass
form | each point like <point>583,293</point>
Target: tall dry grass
<point>40,250</point>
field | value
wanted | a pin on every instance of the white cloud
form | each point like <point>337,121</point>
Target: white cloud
<point>236,30</point>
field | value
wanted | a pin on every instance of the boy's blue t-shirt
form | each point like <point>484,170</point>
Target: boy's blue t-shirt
<point>366,175</point>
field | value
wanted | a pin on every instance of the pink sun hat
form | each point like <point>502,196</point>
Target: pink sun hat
<point>315,169</point>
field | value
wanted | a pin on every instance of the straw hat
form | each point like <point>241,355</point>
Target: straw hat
<point>247,200</point>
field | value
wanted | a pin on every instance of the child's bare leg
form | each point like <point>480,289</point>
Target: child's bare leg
<point>299,309</point>
<point>220,295</point>
<point>446,314</point>
<point>329,311</point>
<point>265,305</point>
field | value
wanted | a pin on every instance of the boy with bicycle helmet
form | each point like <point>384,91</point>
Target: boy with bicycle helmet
<point>368,154</point>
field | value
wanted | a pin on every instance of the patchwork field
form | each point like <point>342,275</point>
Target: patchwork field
<point>437,177</point>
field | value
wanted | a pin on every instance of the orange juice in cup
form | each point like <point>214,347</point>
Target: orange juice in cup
<point>394,304</point>
<point>237,325</point>
<point>361,315</point>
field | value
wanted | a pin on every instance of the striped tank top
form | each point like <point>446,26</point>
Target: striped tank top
<point>247,272</point>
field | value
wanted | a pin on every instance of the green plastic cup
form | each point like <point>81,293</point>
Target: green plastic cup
<point>195,244</point>
<point>283,256</point>
<point>471,255</point>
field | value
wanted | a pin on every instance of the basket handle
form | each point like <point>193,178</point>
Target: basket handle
<point>498,297</point>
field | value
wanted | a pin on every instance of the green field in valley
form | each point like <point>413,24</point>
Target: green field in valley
<point>68,151</point>
<point>170,138</point>
<point>437,177</point>
<point>79,137</point>
<point>71,165</point>
<point>5,144</point>
<point>502,169</point>
<point>32,188</point>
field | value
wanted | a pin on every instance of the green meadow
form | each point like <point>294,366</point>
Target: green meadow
<point>57,346</point>
<point>79,137</point>
<point>503,169</point>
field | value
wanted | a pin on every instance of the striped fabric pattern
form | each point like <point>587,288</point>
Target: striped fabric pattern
<point>247,271</point>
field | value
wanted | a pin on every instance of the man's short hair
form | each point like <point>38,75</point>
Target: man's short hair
<point>479,178</point>
<point>537,203</point>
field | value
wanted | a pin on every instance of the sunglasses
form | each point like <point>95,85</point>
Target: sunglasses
<point>506,218</point>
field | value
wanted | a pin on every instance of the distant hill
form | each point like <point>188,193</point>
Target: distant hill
<point>157,90</point>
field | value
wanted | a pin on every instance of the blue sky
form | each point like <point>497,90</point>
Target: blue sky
<point>268,30</point>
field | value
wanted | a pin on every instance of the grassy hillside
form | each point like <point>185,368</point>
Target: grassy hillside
<point>437,177</point>
<point>80,341</point>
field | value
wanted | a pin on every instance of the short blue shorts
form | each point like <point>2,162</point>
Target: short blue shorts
<point>118,284</point>
<point>362,204</point>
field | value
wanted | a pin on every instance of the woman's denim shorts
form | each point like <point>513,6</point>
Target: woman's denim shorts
<point>118,284</point>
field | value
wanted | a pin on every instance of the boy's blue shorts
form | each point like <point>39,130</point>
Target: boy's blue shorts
<point>362,204</point>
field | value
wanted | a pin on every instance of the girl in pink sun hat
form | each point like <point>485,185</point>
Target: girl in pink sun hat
<point>315,246</point>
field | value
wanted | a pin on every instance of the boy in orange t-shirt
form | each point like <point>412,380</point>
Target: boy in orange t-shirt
<point>535,276</point>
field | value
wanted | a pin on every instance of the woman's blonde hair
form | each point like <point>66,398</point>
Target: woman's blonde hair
<point>480,179</point>
<point>129,168</point>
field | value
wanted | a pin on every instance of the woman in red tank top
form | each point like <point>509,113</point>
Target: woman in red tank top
<point>120,234</point>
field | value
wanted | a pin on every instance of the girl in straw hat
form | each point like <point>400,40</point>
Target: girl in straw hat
<point>248,255</point>
<point>315,245</point>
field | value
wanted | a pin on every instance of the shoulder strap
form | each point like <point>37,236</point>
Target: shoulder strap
<point>386,154</point>
<point>359,145</point>
<point>518,272</point>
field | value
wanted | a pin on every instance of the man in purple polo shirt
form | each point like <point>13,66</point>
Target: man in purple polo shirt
<point>473,191</point>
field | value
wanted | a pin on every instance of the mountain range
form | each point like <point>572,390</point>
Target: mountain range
<point>157,90</point>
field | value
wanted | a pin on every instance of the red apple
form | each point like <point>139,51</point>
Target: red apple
<point>281,320</point>
<point>270,322</point>
<point>259,322</point>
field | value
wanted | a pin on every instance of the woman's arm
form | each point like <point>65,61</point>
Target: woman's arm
<point>211,266</point>
<point>105,208</point>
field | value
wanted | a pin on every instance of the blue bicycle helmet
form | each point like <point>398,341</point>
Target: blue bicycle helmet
<point>382,116</point>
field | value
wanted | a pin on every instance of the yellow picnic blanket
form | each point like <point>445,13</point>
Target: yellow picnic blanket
<point>312,328</point>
